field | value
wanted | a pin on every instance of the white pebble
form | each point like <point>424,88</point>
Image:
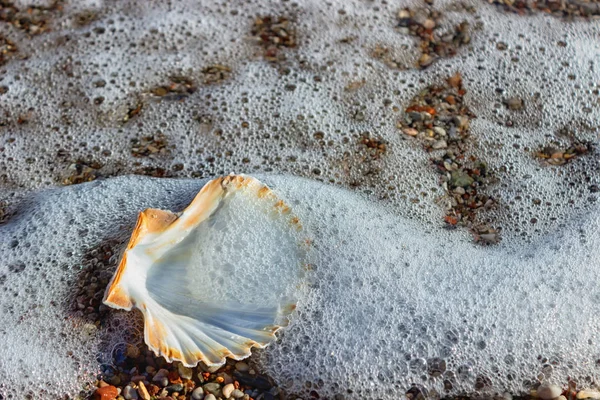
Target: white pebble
<point>588,394</point>
<point>210,396</point>
<point>440,144</point>
<point>237,394</point>
<point>227,390</point>
<point>549,392</point>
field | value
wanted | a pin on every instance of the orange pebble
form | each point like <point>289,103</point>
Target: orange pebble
<point>106,393</point>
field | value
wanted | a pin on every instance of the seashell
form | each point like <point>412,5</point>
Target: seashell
<point>216,280</point>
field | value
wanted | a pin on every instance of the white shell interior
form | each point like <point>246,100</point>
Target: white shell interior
<point>219,287</point>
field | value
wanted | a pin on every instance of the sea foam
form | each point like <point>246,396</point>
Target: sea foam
<point>387,305</point>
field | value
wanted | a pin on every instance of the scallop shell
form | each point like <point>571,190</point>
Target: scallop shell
<point>216,280</point>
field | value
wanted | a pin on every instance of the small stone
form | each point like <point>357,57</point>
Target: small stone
<point>213,388</point>
<point>160,374</point>
<point>440,144</point>
<point>256,381</point>
<point>143,392</point>
<point>460,178</point>
<point>164,381</point>
<point>227,390</point>
<point>177,387</point>
<point>130,393</point>
<point>184,372</point>
<point>415,116</point>
<point>461,121</point>
<point>138,378</point>
<point>115,380</point>
<point>403,14</point>
<point>132,351</point>
<point>198,393</point>
<point>210,396</point>
<point>429,24</point>
<point>237,394</point>
<point>514,103</point>
<point>152,389</point>
<point>410,131</point>
<point>106,393</point>
<point>588,394</point>
<point>425,60</point>
<point>242,366</point>
<point>224,378</point>
<point>548,392</point>
<point>439,130</point>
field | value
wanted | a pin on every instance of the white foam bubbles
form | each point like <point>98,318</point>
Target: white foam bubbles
<point>389,303</point>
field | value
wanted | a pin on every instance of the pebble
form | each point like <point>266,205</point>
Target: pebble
<point>132,351</point>
<point>440,144</point>
<point>198,393</point>
<point>106,393</point>
<point>242,366</point>
<point>549,392</point>
<point>461,121</point>
<point>164,381</point>
<point>213,388</point>
<point>415,116</point>
<point>461,178</point>
<point>210,396</point>
<point>130,393</point>
<point>160,374</point>
<point>176,387</point>
<point>143,392</point>
<point>439,130</point>
<point>514,103</point>
<point>237,394</point>
<point>403,14</point>
<point>429,24</point>
<point>410,131</point>
<point>226,379</point>
<point>184,372</point>
<point>588,394</point>
<point>227,390</point>
<point>115,380</point>
<point>257,381</point>
<point>425,60</point>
